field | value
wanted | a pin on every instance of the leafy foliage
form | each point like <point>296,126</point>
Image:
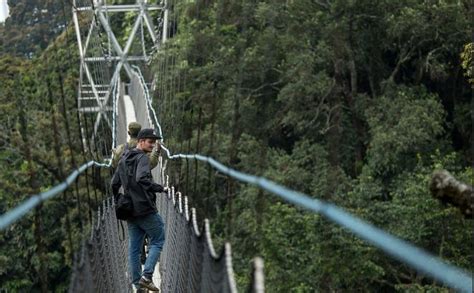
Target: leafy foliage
<point>467,58</point>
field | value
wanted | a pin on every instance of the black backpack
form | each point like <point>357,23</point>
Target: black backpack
<point>123,206</point>
<point>123,201</point>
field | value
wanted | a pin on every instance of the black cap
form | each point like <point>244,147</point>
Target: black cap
<point>147,133</point>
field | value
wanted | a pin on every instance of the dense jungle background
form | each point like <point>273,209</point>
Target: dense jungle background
<point>352,102</point>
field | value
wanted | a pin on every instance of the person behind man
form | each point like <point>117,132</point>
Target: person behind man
<point>134,174</point>
<point>133,130</point>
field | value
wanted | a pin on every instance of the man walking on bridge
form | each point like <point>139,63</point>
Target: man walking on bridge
<point>134,174</point>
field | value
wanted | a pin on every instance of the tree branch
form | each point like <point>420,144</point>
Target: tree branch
<point>324,4</point>
<point>447,189</point>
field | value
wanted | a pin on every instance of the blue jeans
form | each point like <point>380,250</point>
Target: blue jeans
<point>151,225</point>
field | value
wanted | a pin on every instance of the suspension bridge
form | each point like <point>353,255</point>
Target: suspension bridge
<point>116,87</point>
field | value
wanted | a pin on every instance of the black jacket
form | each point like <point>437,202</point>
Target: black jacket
<point>134,174</point>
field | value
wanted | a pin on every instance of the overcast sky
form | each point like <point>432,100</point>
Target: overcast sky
<point>3,10</point>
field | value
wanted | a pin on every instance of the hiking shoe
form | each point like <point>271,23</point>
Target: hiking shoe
<point>138,289</point>
<point>147,283</point>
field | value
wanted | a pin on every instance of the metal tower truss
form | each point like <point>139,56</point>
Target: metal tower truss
<point>105,49</point>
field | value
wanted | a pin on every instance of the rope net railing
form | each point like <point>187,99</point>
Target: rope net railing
<point>101,264</point>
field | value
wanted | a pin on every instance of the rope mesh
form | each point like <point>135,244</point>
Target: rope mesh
<point>101,265</point>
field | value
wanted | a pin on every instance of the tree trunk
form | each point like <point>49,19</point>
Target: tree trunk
<point>334,133</point>
<point>210,184</point>
<point>261,199</point>
<point>233,157</point>
<point>356,125</point>
<point>197,149</point>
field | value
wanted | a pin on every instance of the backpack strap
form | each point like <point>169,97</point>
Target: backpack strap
<point>129,171</point>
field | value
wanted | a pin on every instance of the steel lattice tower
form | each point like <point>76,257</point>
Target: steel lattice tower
<point>105,49</point>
